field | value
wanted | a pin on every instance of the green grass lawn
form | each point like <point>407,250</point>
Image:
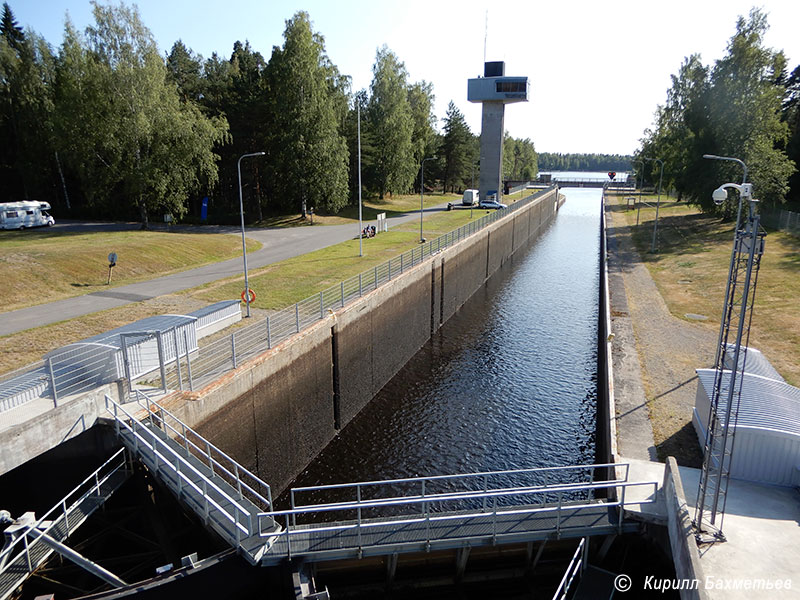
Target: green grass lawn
<point>45,265</point>
<point>690,269</point>
<point>282,284</point>
<point>394,205</point>
<point>277,286</point>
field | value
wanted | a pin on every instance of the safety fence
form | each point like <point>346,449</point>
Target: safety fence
<point>450,510</point>
<point>227,353</point>
<point>783,220</point>
<point>43,385</point>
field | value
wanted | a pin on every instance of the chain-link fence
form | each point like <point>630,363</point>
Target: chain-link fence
<point>58,376</point>
<point>783,220</point>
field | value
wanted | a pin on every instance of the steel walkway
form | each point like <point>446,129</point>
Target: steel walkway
<point>228,498</point>
<point>25,550</point>
<point>372,518</point>
<point>467,511</point>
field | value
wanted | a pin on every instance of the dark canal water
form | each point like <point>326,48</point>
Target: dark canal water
<point>509,382</point>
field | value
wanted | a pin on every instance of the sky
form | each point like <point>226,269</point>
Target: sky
<point>597,69</point>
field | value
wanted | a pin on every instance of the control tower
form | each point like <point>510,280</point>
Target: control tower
<point>494,90</point>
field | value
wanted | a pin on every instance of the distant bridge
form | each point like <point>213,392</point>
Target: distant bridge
<point>603,182</point>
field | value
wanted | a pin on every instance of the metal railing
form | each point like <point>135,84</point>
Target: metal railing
<point>783,220</point>
<point>59,521</point>
<point>229,352</point>
<point>89,367</point>
<point>477,500</point>
<point>576,565</point>
<point>242,482</point>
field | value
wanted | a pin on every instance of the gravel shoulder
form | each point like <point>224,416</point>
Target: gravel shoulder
<point>654,357</point>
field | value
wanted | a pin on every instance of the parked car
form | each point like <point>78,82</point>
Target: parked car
<point>491,204</point>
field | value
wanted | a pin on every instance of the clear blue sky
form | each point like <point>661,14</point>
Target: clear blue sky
<point>597,69</point>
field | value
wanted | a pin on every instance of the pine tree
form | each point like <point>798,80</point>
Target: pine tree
<point>9,29</point>
<point>456,148</point>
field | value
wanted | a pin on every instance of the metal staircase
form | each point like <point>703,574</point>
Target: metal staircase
<point>29,542</point>
<point>227,497</point>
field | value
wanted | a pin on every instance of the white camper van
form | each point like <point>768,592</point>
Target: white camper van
<point>470,198</point>
<point>19,215</point>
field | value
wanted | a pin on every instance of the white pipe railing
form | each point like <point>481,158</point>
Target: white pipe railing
<point>59,515</point>
<point>426,508</point>
<point>182,468</point>
<point>575,565</point>
<point>205,452</point>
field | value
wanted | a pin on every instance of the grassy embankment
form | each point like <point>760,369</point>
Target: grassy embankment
<point>45,265</point>
<point>691,268</point>
<point>276,285</point>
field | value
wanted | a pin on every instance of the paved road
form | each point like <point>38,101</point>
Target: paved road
<point>278,244</point>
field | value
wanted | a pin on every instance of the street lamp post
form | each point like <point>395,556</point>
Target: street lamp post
<point>658,202</point>
<point>638,204</point>
<point>422,194</point>
<point>241,214</point>
<point>360,224</point>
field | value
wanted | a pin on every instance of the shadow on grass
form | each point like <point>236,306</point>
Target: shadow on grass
<point>684,446</point>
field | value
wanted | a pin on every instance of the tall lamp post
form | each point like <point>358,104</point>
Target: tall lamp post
<point>360,224</point>
<point>241,214</point>
<point>638,204</point>
<point>422,194</point>
<point>658,202</point>
<point>748,248</point>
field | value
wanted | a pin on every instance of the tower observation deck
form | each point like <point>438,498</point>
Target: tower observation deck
<point>494,90</point>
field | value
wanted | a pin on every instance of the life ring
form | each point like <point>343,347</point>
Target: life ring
<point>252,296</point>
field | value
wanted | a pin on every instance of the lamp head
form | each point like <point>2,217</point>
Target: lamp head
<point>719,195</point>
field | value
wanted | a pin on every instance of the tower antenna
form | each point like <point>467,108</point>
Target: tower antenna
<point>485,34</point>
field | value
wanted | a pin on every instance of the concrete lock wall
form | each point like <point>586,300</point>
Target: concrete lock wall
<point>276,412</point>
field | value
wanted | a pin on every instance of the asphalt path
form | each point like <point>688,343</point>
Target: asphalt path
<point>278,244</point>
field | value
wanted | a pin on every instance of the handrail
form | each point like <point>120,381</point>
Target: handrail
<point>238,470</point>
<point>464,495</point>
<point>569,575</point>
<point>459,496</point>
<point>463,476</point>
<point>427,516</point>
<point>96,482</point>
<point>180,460</point>
<point>485,476</point>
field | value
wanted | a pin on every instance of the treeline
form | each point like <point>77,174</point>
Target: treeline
<point>549,161</point>
<point>745,106</point>
<point>107,127</point>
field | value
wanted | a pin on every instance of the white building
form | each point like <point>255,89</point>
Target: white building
<point>766,440</point>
